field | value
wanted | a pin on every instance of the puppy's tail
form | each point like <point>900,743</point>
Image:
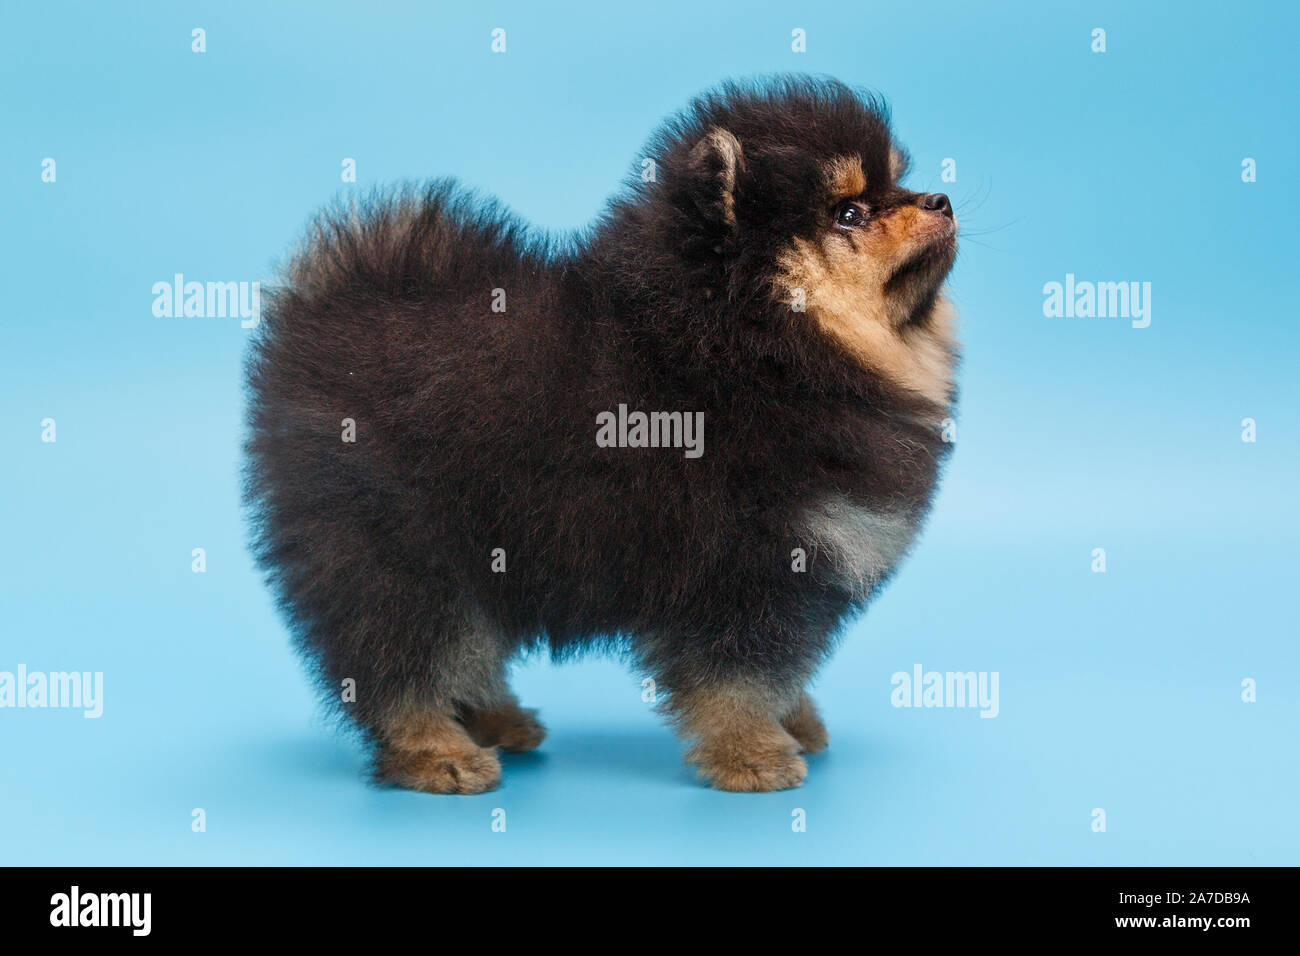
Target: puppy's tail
<point>397,243</point>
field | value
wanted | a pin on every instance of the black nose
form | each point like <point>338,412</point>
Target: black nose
<point>937,202</point>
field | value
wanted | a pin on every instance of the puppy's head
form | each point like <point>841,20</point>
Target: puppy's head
<point>794,188</point>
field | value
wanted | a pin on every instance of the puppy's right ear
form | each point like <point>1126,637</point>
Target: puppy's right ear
<point>713,169</point>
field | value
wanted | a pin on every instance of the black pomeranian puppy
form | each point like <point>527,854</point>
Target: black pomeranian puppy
<point>467,440</point>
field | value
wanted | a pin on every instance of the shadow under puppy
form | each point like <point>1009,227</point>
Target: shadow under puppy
<point>466,439</point>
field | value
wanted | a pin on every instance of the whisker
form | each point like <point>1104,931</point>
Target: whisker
<point>989,230</point>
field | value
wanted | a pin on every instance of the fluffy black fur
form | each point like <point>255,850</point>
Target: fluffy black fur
<point>476,429</point>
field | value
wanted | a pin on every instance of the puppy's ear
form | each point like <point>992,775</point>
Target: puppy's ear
<point>713,169</point>
<point>899,163</point>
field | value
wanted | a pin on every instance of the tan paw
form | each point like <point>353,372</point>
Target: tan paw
<point>755,767</point>
<point>805,725</point>
<point>466,771</point>
<point>511,728</point>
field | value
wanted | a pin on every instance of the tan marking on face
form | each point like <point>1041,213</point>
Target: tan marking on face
<point>845,178</point>
<point>843,276</point>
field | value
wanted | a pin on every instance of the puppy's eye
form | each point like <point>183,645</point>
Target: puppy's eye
<point>850,214</point>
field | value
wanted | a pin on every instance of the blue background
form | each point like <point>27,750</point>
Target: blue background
<point>1119,690</point>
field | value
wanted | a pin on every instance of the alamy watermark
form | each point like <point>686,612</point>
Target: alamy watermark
<point>208,300</point>
<point>651,430</point>
<point>129,910</point>
<point>922,688</point>
<point>1073,299</point>
<point>71,690</point>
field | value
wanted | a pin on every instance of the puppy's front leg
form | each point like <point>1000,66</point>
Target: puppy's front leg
<point>805,725</point>
<point>738,740</point>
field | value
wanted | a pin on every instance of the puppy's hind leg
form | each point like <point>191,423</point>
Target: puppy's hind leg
<point>491,714</point>
<point>503,723</point>
<point>425,742</point>
<point>425,749</point>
